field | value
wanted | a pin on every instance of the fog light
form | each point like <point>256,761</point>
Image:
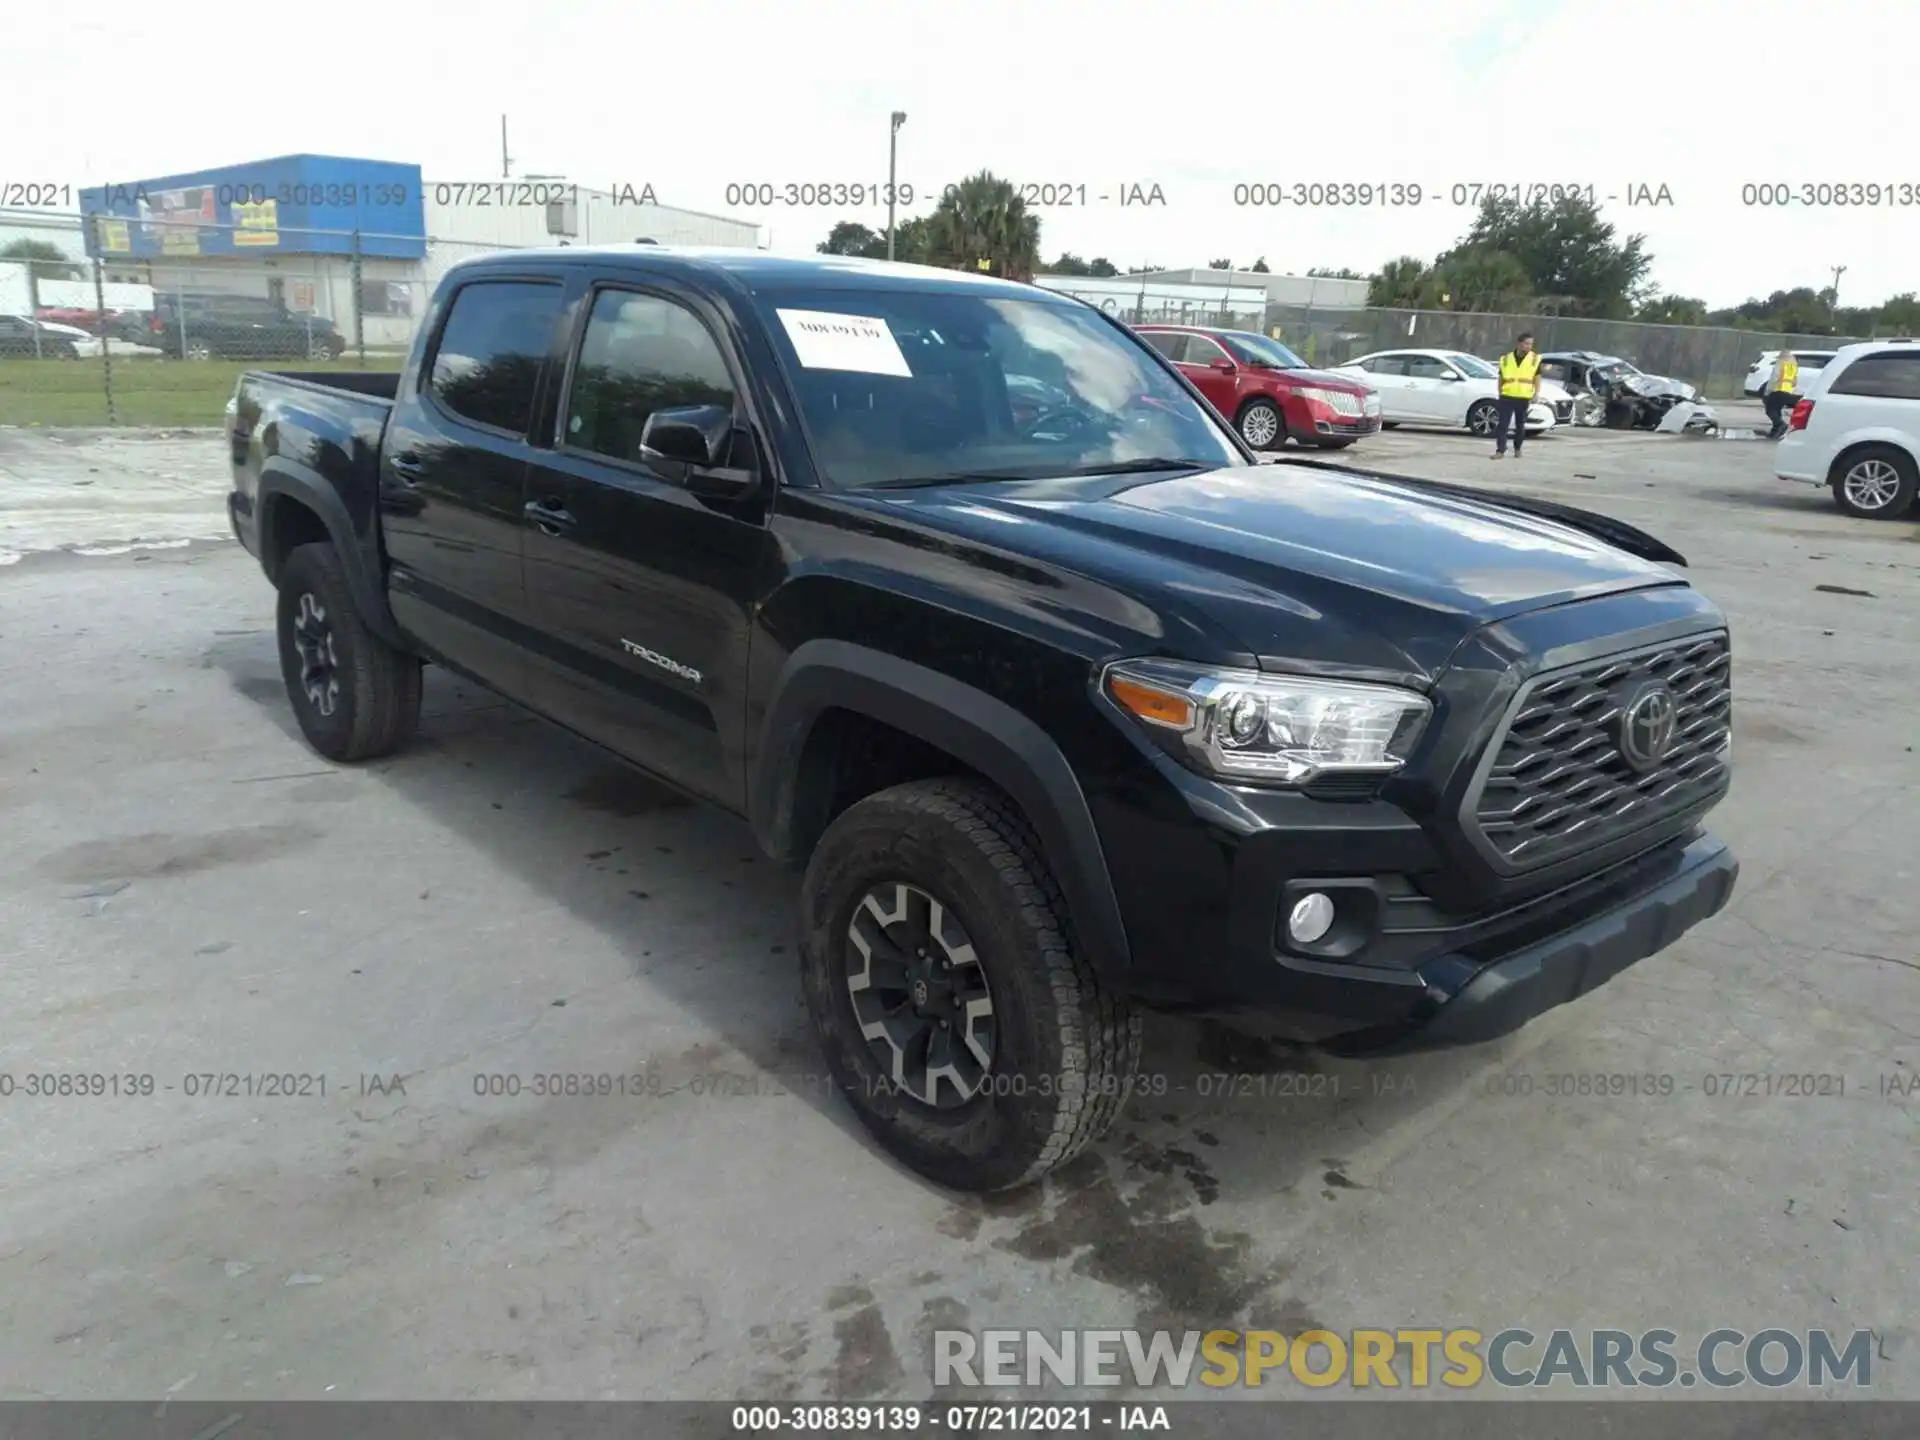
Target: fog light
<point>1311,918</point>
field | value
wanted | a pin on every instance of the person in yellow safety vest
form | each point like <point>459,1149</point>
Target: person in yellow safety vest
<point>1519,378</point>
<point>1781,388</point>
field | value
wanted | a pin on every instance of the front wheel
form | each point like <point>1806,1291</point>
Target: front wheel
<point>955,1015</point>
<point>1262,427</point>
<point>1876,483</point>
<point>356,697</point>
<point>1482,417</point>
<point>197,350</point>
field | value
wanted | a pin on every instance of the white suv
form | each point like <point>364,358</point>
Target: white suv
<point>1857,430</point>
<point>1811,363</point>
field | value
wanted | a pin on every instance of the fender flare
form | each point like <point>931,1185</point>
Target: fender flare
<point>284,481</point>
<point>982,732</point>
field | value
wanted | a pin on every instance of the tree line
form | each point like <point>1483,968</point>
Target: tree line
<point>1558,257</point>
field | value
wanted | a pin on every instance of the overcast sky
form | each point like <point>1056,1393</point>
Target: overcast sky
<point>1194,98</point>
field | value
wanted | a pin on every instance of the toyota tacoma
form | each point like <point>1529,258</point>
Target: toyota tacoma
<point>985,619</point>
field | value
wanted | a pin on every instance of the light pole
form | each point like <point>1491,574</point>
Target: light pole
<point>1838,271</point>
<point>893,150</point>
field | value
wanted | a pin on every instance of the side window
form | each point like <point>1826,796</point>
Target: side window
<point>1366,364</point>
<point>1890,375</point>
<point>640,354</point>
<point>1426,367</point>
<point>1168,343</point>
<point>487,364</point>
<point>1388,365</point>
<point>1203,351</point>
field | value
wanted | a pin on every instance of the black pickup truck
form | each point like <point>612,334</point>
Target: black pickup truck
<point>971,606</point>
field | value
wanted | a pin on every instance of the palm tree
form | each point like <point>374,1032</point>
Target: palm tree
<point>983,225</point>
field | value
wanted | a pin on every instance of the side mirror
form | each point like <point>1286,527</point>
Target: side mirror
<point>690,434</point>
<point>1451,375</point>
<point>1225,367</point>
<point>691,442</point>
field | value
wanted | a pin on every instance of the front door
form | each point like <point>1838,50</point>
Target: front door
<point>642,592</point>
<point>1201,362</point>
<point>453,464</point>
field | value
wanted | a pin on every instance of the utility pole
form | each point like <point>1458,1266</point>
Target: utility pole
<point>1838,271</point>
<point>893,155</point>
<point>506,160</point>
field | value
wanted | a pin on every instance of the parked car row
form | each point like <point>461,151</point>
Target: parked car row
<point>230,327</point>
<point>21,338</point>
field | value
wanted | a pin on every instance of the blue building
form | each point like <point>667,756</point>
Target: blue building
<point>292,205</point>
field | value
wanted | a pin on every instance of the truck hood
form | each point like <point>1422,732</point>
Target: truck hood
<point>1297,565</point>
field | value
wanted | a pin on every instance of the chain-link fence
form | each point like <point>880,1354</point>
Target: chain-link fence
<point>120,338</point>
<point>1714,358</point>
<point>111,336</point>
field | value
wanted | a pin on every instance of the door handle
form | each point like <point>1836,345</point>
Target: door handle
<point>552,518</point>
<point>408,467</point>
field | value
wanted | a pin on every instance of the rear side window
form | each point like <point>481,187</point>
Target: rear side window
<point>1168,343</point>
<point>1890,375</point>
<point>640,354</point>
<point>487,365</point>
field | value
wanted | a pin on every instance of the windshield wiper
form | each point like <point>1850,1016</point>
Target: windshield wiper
<point>957,477</point>
<point>986,477</point>
<point>1136,467</point>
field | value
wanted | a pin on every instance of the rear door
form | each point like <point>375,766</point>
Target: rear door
<point>1387,374</point>
<point>1431,393</point>
<point>642,591</point>
<point>453,465</point>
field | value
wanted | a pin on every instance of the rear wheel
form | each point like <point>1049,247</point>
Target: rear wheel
<point>1482,417</point>
<point>356,697</point>
<point>197,350</point>
<point>1876,482</point>
<point>1262,427</point>
<point>955,1015</point>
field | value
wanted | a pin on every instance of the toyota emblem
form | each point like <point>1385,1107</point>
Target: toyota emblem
<point>1646,727</point>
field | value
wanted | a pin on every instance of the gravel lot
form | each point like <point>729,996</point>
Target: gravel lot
<point>188,890</point>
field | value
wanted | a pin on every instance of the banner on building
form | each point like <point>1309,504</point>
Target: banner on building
<point>256,224</point>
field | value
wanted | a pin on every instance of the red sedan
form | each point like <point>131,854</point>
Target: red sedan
<point>1266,390</point>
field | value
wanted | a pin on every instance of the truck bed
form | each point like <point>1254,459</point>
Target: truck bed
<point>379,384</point>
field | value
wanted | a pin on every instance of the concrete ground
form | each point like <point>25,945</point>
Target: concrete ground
<point>190,891</point>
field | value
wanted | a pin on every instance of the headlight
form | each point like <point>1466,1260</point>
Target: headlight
<point>1274,729</point>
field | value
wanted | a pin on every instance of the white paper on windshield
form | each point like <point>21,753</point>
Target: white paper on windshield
<point>826,341</point>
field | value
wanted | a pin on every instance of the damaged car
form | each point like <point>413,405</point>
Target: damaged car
<point>1616,393</point>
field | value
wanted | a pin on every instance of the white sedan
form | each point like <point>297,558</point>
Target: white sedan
<point>1451,388</point>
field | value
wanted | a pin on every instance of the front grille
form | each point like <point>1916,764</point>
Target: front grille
<point>1562,411</point>
<point>1342,403</point>
<point>1561,781</point>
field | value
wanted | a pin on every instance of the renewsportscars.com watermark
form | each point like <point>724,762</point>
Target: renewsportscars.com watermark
<point>1406,1358</point>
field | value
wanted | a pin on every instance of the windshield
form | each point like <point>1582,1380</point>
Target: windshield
<point>898,386</point>
<point>1251,349</point>
<point>1474,366</point>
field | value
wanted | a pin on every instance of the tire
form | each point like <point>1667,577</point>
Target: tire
<point>1482,417</point>
<point>197,350</point>
<point>1061,1046</point>
<point>1875,482</point>
<point>355,696</point>
<point>318,348</point>
<point>1262,418</point>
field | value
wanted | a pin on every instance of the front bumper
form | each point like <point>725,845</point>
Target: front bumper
<point>1499,997</point>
